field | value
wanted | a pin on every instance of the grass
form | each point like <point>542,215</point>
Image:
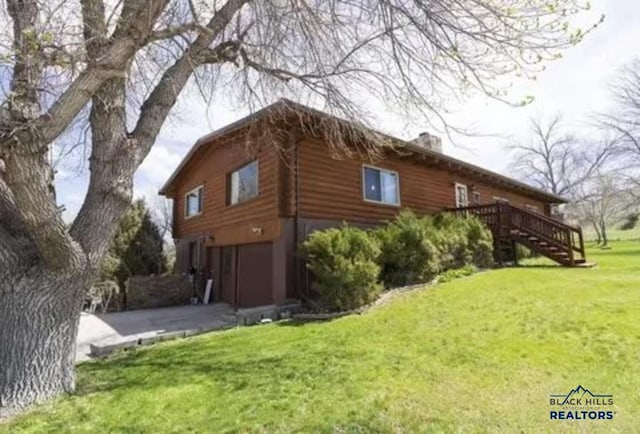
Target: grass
<point>614,233</point>
<point>477,354</point>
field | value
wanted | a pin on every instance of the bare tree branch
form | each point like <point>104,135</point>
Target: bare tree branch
<point>559,162</point>
<point>624,120</point>
<point>132,59</point>
<point>156,108</point>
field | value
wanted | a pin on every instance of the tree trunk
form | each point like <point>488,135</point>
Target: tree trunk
<point>603,232</point>
<point>39,316</point>
<point>595,227</point>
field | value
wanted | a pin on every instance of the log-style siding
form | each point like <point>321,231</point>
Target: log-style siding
<point>255,220</point>
<point>331,186</point>
<point>302,187</point>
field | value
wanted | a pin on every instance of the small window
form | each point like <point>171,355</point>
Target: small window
<point>381,186</point>
<point>462,198</point>
<point>243,183</point>
<point>475,197</point>
<point>193,202</point>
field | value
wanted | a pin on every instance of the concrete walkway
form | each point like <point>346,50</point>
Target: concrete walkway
<point>133,327</point>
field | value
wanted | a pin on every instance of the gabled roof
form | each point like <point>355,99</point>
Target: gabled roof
<point>438,158</point>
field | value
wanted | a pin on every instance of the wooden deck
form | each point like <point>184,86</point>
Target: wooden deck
<point>511,224</point>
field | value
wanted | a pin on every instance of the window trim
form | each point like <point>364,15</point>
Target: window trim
<point>476,194</point>
<point>455,191</point>
<point>228,178</point>
<point>199,188</point>
<point>380,202</point>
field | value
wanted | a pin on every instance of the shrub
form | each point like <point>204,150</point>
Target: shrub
<point>408,254</point>
<point>451,241</point>
<point>523,252</point>
<point>630,222</point>
<point>343,264</point>
<point>463,241</point>
<point>347,262</point>
<point>479,242</point>
<point>450,275</point>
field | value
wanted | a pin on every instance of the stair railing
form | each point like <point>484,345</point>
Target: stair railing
<point>503,216</point>
<point>560,234</point>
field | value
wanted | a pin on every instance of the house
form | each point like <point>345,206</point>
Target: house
<point>247,194</point>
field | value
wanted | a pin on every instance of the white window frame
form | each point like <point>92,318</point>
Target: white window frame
<point>455,190</point>
<point>200,190</point>
<point>364,186</point>
<point>500,199</point>
<point>230,181</point>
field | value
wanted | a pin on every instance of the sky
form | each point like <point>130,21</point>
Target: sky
<point>575,86</point>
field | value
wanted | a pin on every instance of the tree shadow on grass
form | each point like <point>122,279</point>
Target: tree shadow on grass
<point>190,363</point>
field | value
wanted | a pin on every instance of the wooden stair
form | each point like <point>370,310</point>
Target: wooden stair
<point>511,224</point>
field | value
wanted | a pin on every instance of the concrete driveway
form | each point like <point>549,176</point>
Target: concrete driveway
<point>132,326</point>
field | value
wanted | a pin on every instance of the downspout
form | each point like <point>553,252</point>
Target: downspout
<point>296,222</point>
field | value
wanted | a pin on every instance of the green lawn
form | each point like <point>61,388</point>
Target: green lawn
<point>479,354</point>
<point>614,233</point>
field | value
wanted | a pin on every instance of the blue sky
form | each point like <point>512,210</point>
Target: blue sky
<point>576,85</point>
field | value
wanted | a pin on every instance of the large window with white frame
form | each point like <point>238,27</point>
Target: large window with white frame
<point>462,195</point>
<point>243,183</point>
<point>193,202</point>
<point>380,185</point>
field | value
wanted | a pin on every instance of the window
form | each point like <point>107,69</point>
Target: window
<point>243,183</point>
<point>380,186</point>
<point>462,199</point>
<point>193,202</point>
<point>476,197</point>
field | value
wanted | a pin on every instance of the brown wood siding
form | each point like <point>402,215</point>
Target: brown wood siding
<point>229,224</point>
<point>246,233</point>
<point>331,187</point>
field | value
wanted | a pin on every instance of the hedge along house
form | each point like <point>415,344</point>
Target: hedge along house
<point>246,195</point>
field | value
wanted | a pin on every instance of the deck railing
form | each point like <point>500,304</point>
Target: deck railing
<point>503,218</point>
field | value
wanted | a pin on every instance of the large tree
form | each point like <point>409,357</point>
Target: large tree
<point>604,202</point>
<point>556,160</point>
<point>126,63</point>
<point>623,120</point>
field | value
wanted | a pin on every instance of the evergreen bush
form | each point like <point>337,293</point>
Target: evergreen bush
<point>343,263</point>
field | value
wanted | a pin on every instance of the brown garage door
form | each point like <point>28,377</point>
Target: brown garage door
<point>255,267</point>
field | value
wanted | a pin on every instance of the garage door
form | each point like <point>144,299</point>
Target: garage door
<point>255,268</point>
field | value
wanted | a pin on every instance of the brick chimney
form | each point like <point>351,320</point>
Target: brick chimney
<point>428,141</point>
